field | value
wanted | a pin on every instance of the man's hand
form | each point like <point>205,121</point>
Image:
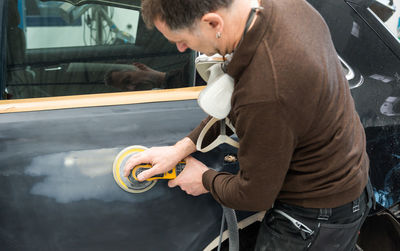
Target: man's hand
<point>143,78</point>
<point>190,179</point>
<point>162,159</point>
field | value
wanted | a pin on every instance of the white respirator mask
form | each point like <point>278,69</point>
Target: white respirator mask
<point>215,100</point>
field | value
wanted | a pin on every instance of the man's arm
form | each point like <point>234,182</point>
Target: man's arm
<point>266,146</point>
<point>165,158</point>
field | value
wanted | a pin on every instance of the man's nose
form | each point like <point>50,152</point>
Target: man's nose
<point>181,46</point>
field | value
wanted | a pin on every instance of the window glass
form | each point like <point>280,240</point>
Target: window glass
<point>64,25</point>
<point>387,11</point>
<point>57,49</point>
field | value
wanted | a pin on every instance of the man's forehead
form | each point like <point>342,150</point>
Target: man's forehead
<point>172,35</point>
<point>162,25</point>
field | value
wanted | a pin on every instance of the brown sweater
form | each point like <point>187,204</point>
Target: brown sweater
<point>301,140</point>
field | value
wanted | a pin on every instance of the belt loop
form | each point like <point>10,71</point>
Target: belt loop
<point>356,205</point>
<point>324,213</point>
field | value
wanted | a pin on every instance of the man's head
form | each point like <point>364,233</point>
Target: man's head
<point>195,24</point>
<point>179,14</point>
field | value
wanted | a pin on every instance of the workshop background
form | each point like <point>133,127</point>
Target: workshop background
<point>393,23</point>
<point>35,24</point>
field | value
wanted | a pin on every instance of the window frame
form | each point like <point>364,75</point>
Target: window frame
<point>86,100</point>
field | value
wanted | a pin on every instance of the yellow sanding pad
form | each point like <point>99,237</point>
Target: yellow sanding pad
<point>129,184</point>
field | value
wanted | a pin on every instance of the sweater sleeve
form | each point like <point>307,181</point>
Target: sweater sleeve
<point>266,146</point>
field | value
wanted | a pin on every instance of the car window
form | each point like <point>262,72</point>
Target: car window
<point>58,49</point>
<point>57,24</point>
<point>385,10</point>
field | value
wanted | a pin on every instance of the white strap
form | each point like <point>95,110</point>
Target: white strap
<point>298,224</point>
<point>222,138</point>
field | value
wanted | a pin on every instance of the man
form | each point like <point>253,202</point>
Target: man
<point>302,147</point>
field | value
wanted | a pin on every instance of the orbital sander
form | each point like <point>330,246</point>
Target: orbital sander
<point>131,184</point>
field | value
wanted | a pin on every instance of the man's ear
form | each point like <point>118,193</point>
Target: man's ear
<point>214,21</point>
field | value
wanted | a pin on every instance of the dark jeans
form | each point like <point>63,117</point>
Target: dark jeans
<point>331,228</point>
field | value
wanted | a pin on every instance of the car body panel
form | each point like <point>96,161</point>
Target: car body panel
<point>58,193</point>
<point>373,53</point>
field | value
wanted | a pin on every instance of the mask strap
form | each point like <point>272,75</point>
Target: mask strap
<point>249,21</point>
<point>229,124</point>
<point>222,138</point>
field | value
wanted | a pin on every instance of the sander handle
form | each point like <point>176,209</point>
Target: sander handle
<point>171,174</point>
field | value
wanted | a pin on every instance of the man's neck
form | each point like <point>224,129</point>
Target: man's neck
<point>236,22</point>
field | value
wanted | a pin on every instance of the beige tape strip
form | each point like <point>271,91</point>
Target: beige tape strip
<point>92,100</point>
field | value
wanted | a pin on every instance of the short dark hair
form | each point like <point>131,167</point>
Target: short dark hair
<point>179,14</point>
